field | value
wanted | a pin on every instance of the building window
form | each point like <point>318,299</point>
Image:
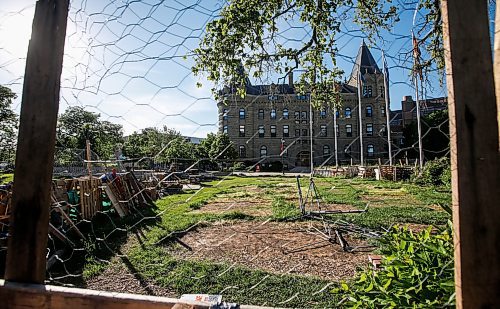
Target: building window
<point>296,116</point>
<point>261,114</point>
<point>369,111</point>
<point>347,112</point>
<point>301,97</point>
<point>382,110</point>
<point>297,132</point>
<point>242,131</point>
<point>263,151</point>
<point>323,131</point>
<point>322,113</point>
<point>326,151</point>
<point>304,132</point>
<point>224,129</point>
<point>371,150</point>
<point>273,131</point>
<point>261,131</point>
<point>272,97</point>
<point>369,129</point>
<point>367,91</point>
<point>224,114</point>
<point>382,91</point>
<point>285,113</point>
<point>303,116</point>
<point>242,113</point>
<point>348,130</point>
<point>285,131</point>
<point>243,151</point>
<point>273,113</point>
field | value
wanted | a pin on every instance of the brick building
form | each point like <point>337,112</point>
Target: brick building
<point>274,117</point>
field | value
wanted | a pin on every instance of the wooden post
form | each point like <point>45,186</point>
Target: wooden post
<point>35,148</point>
<point>475,158</point>
<point>89,158</point>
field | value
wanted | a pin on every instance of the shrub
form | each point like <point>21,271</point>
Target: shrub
<point>416,272</point>
<point>436,172</point>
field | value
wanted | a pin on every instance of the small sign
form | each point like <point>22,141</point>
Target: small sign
<point>205,298</point>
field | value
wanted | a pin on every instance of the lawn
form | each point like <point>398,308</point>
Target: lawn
<point>239,237</point>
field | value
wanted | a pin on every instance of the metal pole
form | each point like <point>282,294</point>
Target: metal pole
<point>387,110</point>
<point>415,73</point>
<point>360,119</point>
<point>420,150</point>
<point>335,136</point>
<point>282,154</point>
<point>311,134</point>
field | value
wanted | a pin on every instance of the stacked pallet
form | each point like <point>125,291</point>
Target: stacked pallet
<point>395,173</point>
<point>126,193</point>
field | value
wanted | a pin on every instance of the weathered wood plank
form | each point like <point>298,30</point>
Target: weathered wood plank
<point>475,156</point>
<point>18,295</point>
<point>25,296</point>
<point>35,147</point>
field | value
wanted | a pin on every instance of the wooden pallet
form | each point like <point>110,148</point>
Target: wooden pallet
<point>90,196</point>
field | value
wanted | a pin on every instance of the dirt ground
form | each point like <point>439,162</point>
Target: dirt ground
<point>294,248</point>
<point>121,277</point>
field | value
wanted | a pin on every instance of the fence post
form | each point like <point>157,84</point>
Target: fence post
<point>475,155</point>
<point>35,151</point>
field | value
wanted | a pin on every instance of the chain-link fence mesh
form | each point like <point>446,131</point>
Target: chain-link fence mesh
<point>144,201</point>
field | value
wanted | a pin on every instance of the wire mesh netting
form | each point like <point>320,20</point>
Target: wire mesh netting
<point>155,188</point>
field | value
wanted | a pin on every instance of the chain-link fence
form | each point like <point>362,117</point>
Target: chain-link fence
<point>154,189</point>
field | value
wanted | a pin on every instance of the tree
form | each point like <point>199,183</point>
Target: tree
<point>154,143</point>
<point>246,38</point>
<point>222,148</point>
<point>8,125</point>
<point>435,131</point>
<point>76,126</point>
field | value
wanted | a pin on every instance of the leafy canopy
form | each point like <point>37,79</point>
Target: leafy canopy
<point>247,37</point>
<point>8,125</point>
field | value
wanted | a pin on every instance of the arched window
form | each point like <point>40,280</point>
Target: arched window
<point>348,130</point>
<point>347,112</point>
<point>224,114</point>
<point>326,150</point>
<point>369,111</point>
<point>322,113</point>
<point>243,151</point>
<point>263,151</point>
<point>242,113</point>
<point>371,150</point>
<point>382,110</point>
<point>224,129</point>
<point>273,113</point>
<point>285,113</point>
<point>261,131</point>
<point>261,114</point>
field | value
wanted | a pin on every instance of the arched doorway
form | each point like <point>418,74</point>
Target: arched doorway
<point>303,159</point>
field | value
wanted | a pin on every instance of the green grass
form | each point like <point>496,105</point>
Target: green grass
<point>401,203</point>
<point>6,178</point>
<point>239,284</point>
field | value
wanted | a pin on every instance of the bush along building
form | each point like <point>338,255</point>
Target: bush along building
<point>270,125</point>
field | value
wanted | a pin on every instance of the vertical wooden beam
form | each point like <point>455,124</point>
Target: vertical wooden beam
<point>35,148</point>
<point>475,156</point>
<point>496,65</point>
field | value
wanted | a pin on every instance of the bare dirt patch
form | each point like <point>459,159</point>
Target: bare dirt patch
<point>121,277</point>
<point>273,246</point>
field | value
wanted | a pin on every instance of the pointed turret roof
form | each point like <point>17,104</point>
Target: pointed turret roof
<point>365,62</point>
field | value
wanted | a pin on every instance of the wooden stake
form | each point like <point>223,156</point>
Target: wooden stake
<point>89,157</point>
<point>475,157</point>
<point>35,148</point>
